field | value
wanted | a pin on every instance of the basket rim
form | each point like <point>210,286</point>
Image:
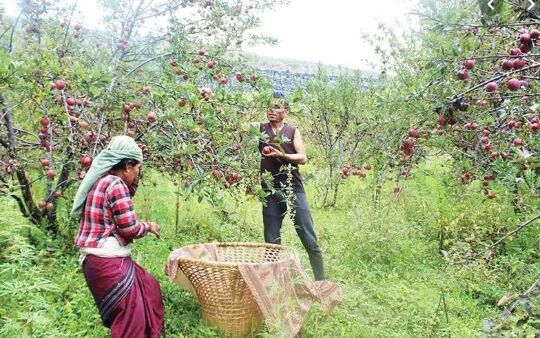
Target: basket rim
<point>226,244</point>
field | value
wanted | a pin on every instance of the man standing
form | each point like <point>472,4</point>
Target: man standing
<point>282,152</point>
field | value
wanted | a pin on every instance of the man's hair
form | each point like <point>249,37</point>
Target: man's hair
<point>279,96</point>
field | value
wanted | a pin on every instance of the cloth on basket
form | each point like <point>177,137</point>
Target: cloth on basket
<point>282,289</point>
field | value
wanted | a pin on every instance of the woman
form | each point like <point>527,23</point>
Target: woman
<point>128,298</point>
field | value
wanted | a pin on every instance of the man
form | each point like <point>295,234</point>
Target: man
<point>282,152</point>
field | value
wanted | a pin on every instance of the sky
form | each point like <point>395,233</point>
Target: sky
<point>326,31</point>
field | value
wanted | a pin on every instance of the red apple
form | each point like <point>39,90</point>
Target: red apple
<point>507,64</point>
<point>469,64</point>
<point>463,74</point>
<point>518,64</point>
<point>126,108</point>
<point>151,117</point>
<point>513,84</point>
<point>86,161</point>
<point>534,33</point>
<point>146,90</point>
<point>515,51</point>
<point>511,124</point>
<point>182,102</point>
<point>59,84</point>
<point>210,64</point>
<point>45,163</point>
<point>481,103</point>
<point>266,151</point>
<point>412,132</point>
<point>77,26</point>
<point>50,174</point>
<point>202,52</point>
<point>491,87</point>
<point>89,137</point>
<point>525,38</point>
<point>44,121</point>
<point>239,77</point>
<point>57,193</point>
<point>130,133</point>
<point>409,143</point>
<point>173,62</point>
<point>535,126</point>
<point>517,141</point>
<point>42,204</point>
<point>70,101</point>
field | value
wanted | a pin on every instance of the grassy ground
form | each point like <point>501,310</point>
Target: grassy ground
<point>385,255</point>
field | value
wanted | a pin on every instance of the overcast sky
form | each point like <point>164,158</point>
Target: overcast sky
<point>326,31</point>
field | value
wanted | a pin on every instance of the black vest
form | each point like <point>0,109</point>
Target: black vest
<point>278,168</point>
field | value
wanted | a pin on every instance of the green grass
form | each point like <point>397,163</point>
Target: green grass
<point>385,256</point>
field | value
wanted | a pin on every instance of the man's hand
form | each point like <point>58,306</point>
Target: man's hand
<point>272,152</point>
<point>153,228</point>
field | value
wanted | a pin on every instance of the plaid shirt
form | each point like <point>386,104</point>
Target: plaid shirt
<point>108,211</point>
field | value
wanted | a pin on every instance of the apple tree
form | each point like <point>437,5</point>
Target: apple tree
<point>167,73</point>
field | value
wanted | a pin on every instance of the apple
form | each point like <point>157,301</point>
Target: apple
<point>77,26</point>
<point>504,155</point>
<point>57,193</point>
<point>210,64</point>
<point>70,101</point>
<point>513,84</point>
<point>515,51</point>
<point>44,121</point>
<point>481,103</point>
<point>491,195</point>
<point>409,143</point>
<point>266,151</point>
<point>535,126</point>
<point>367,166</point>
<point>50,174</point>
<point>202,52</point>
<point>83,124</point>
<point>136,104</point>
<point>42,204</point>
<point>45,163</point>
<point>145,90</point>
<point>525,48</point>
<point>49,206</point>
<point>253,78</point>
<point>463,74</point>
<point>525,38</point>
<point>126,108</point>
<point>518,64</point>
<point>239,77</point>
<point>491,87</point>
<point>86,161</point>
<point>216,173</point>
<point>511,124</point>
<point>223,80</point>
<point>151,117</point>
<point>507,64</point>
<point>182,102</point>
<point>494,154</point>
<point>534,34</point>
<point>517,142</point>
<point>59,84</point>
<point>130,133</point>
<point>173,62</point>
<point>469,64</point>
<point>89,137</point>
<point>412,132</point>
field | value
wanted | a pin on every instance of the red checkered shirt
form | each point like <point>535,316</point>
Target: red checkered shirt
<point>108,211</point>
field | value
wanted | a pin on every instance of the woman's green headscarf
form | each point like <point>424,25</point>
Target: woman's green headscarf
<point>119,148</point>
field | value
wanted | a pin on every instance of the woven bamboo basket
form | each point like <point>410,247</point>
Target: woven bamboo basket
<point>226,301</point>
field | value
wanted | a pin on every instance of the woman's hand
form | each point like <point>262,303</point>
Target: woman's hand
<point>153,228</point>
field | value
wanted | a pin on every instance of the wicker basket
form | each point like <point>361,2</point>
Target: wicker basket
<point>227,302</point>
